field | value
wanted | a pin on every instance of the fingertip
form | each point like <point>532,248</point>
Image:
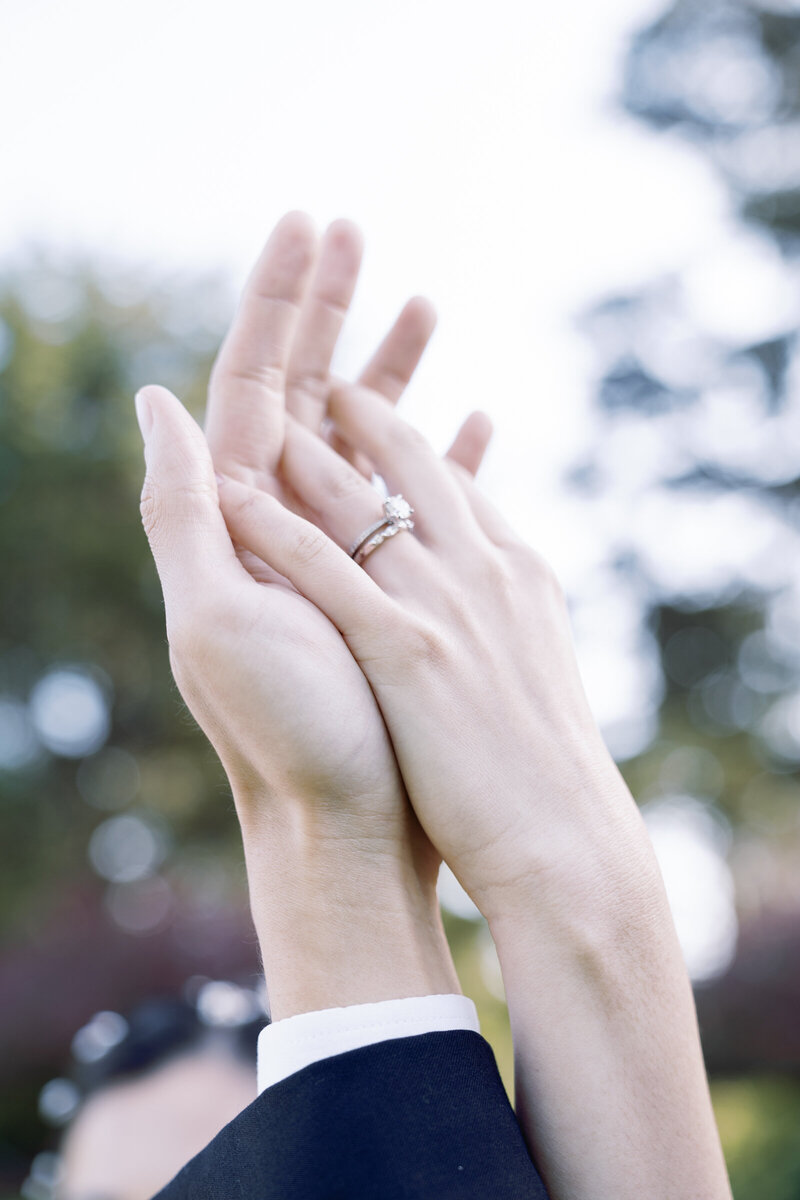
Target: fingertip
<point>471,441</point>
<point>421,311</point>
<point>154,393</point>
<point>481,425</point>
<point>147,401</point>
<point>298,223</point>
<point>345,394</point>
<point>292,244</point>
<point>144,413</point>
<point>344,233</point>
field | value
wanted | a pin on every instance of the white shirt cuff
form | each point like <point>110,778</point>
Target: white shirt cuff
<point>296,1042</point>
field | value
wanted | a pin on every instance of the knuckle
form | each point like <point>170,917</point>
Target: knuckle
<point>308,547</point>
<point>152,510</point>
<point>308,381</point>
<point>232,371</point>
<point>500,585</point>
<point>424,646</point>
<point>158,505</point>
<point>244,507</point>
<point>499,579</point>
<point>346,484</point>
<point>542,574</point>
<point>410,438</point>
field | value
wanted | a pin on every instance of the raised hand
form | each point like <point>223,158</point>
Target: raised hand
<point>463,633</point>
<point>276,361</point>
<point>266,674</point>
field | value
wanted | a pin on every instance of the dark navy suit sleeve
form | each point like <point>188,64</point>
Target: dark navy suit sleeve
<point>418,1118</point>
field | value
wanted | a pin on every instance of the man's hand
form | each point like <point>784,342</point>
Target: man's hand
<point>342,878</point>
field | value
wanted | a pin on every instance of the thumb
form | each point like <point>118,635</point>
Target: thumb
<point>179,505</point>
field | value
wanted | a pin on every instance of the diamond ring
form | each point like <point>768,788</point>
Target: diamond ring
<point>396,517</point>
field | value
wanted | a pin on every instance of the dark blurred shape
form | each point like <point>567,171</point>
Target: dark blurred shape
<point>692,653</point>
<point>145,1092</point>
<point>111,1047</point>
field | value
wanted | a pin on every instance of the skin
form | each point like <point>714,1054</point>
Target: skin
<point>174,1110</point>
<point>327,827</point>
<point>463,636</point>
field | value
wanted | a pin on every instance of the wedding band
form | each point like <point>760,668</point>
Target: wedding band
<point>396,517</point>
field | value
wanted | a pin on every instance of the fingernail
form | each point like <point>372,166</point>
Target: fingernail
<point>144,414</point>
<point>220,478</point>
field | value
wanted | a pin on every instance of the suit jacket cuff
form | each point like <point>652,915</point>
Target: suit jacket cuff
<point>296,1042</point>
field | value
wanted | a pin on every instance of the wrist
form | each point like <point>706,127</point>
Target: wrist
<point>344,920</point>
<point>591,866</point>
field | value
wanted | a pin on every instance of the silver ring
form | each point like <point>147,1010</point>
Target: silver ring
<point>396,517</point>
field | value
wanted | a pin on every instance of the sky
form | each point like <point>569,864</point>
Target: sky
<point>478,147</point>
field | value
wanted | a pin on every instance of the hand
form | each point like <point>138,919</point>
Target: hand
<point>276,360</point>
<point>265,673</point>
<point>464,635</point>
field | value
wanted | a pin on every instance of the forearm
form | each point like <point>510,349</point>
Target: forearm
<point>611,1091</point>
<point>341,922</point>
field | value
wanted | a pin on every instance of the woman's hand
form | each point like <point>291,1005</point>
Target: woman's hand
<point>463,634</point>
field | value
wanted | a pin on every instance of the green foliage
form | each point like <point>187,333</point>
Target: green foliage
<point>758,1121</point>
<point>79,587</point>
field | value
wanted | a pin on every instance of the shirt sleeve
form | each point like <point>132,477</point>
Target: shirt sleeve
<point>295,1042</point>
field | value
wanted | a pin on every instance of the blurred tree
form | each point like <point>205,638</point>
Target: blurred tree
<point>694,463</point>
<point>121,852</point>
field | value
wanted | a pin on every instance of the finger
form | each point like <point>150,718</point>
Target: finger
<point>320,322</point>
<point>397,357</point>
<point>180,510</point>
<point>314,564</point>
<point>358,460</point>
<point>392,365</point>
<point>244,422</point>
<point>341,501</point>
<point>402,456</point>
<point>470,443</point>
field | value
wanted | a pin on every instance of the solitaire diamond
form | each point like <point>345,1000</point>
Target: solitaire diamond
<point>397,508</point>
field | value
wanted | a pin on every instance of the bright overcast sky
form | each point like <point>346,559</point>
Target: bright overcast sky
<point>476,145</point>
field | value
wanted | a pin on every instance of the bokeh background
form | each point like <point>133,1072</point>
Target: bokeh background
<point>603,201</point>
